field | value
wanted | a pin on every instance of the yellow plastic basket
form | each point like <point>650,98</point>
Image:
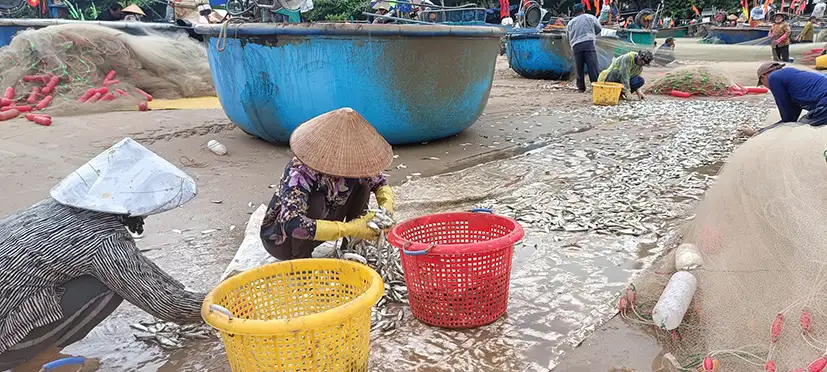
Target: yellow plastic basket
<point>606,94</point>
<point>821,62</point>
<point>299,315</point>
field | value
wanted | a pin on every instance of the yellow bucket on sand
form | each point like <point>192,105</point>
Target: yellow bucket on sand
<point>299,315</point>
<point>821,62</point>
<point>606,94</point>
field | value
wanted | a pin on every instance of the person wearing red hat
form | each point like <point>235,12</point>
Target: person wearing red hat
<point>324,191</point>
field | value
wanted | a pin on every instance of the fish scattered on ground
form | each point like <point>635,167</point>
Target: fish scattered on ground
<point>385,259</point>
<point>170,336</point>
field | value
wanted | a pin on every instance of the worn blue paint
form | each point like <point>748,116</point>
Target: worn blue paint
<point>737,35</point>
<point>546,55</point>
<point>413,83</point>
<point>7,33</point>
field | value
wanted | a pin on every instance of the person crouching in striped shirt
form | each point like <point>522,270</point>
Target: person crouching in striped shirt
<point>69,261</point>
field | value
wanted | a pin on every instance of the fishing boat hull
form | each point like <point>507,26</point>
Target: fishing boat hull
<point>639,37</point>
<point>11,26</point>
<point>738,35</point>
<point>414,83</point>
<point>7,33</point>
<point>547,55</point>
<point>673,32</point>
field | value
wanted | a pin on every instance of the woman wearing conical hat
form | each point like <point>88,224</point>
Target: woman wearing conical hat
<point>133,13</point>
<point>324,191</point>
<point>69,261</point>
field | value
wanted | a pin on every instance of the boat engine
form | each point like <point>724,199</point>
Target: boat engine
<point>530,14</point>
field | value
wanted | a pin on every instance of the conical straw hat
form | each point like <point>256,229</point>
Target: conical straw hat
<point>341,143</point>
<point>133,9</point>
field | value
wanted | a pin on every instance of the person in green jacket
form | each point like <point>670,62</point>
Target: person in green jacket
<point>626,70</point>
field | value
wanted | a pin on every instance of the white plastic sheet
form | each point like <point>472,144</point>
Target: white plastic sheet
<point>126,179</point>
<point>251,253</point>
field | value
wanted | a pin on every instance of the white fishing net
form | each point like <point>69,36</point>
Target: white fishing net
<point>761,230</point>
<point>82,55</point>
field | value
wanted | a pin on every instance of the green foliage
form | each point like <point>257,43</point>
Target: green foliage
<point>337,10</point>
<point>73,11</point>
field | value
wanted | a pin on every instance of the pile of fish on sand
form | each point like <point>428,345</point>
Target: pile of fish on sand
<point>385,259</point>
<point>171,336</point>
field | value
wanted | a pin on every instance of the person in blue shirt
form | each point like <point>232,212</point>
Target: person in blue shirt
<point>794,90</point>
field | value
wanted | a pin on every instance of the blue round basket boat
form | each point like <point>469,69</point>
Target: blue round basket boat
<point>414,83</point>
<point>547,55</point>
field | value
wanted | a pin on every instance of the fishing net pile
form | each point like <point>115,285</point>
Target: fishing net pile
<point>761,299</point>
<point>81,57</point>
<point>695,80</point>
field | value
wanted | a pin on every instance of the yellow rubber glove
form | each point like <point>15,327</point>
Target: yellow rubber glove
<point>333,230</point>
<point>384,196</point>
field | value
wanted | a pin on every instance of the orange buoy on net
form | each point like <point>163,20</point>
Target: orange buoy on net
<point>677,93</point>
<point>757,90</point>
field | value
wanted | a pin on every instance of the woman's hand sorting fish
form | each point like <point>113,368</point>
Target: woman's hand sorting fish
<point>70,260</point>
<point>338,162</point>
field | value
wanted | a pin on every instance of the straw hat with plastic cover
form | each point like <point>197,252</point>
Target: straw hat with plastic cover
<point>732,17</point>
<point>382,5</point>
<point>134,9</point>
<point>784,16</point>
<point>341,143</point>
<point>127,179</point>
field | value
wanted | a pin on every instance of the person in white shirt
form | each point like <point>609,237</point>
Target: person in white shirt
<point>818,10</point>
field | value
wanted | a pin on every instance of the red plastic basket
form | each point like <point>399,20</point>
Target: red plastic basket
<point>457,266</point>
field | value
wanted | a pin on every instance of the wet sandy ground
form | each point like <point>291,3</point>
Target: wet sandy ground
<point>521,115</point>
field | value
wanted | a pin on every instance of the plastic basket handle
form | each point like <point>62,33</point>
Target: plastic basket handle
<point>222,310</point>
<point>482,210</point>
<point>417,253</point>
<point>63,362</point>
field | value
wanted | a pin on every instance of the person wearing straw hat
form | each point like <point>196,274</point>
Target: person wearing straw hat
<point>324,191</point>
<point>133,13</point>
<point>794,91</point>
<point>381,8</point>
<point>70,260</point>
<point>780,38</point>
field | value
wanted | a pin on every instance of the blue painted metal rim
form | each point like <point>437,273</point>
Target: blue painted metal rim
<point>545,35</point>
<point>348,29</point>
<point>38,22</point>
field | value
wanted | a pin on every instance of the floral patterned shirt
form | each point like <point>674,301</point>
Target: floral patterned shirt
<point>780,32</point>
<point>288,211</point>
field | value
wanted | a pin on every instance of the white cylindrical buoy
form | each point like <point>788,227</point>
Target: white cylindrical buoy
<point>217,147</point>
<point>674,301</point>
<point>688,257</point>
